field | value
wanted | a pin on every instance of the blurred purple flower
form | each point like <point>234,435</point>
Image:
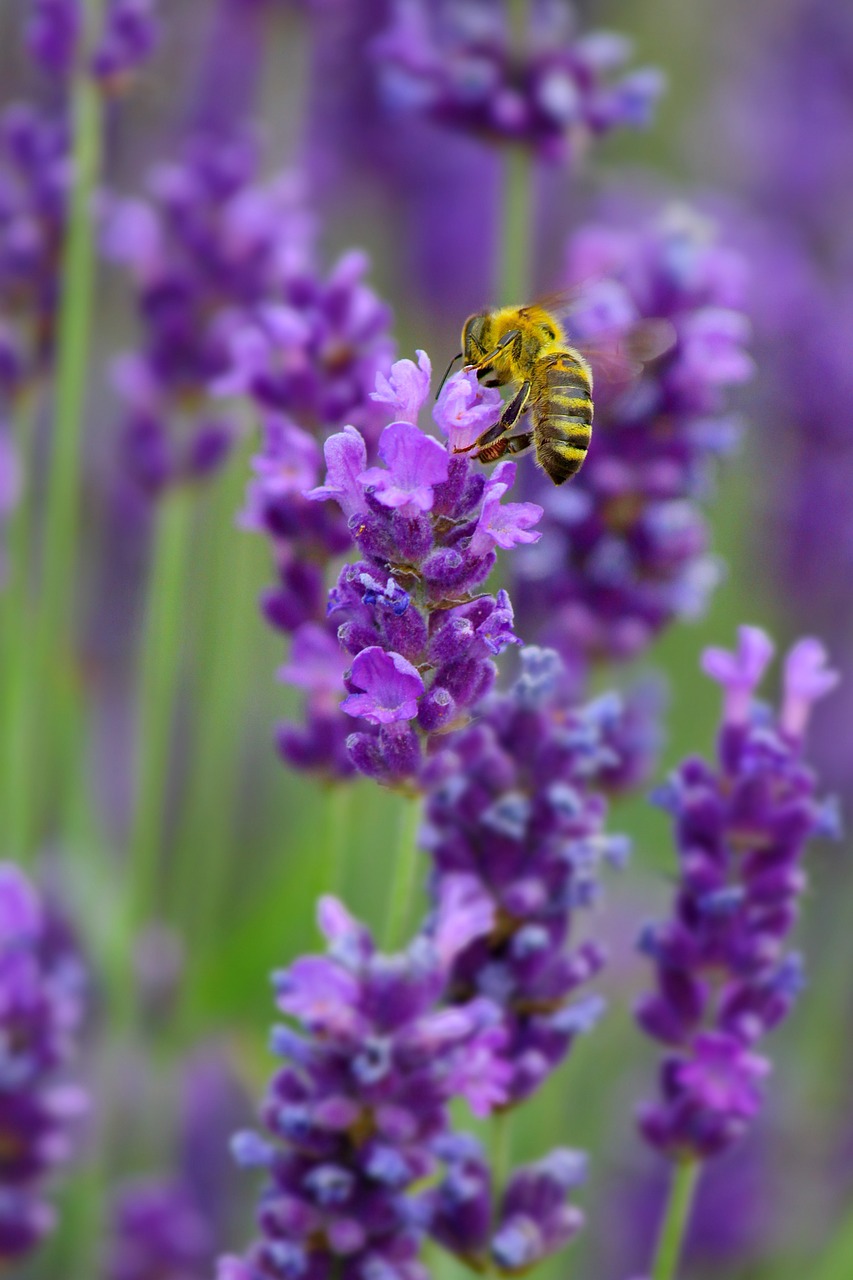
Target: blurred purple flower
<point>461,64</point>
<point>531,1221</point>
<point>723,977</point>
<point>170,1228</point>
<point>41,1008</point>
<point>128,36</point>
<point>627,550</point>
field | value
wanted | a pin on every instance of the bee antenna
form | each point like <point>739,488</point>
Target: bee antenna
<point>458,356</point>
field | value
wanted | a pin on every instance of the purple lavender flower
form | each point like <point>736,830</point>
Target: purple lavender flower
<point>628,545</point>
<point>169,1228</point>
<point>233,302</point>
<point>33,188</point>
<point>128,37</point>
<point>354,1114</point>
<point>160,1232</point>
<point>514,800</point>
<point>427,524</point>
<point>724,978</point>
<point>460,64</point>
<point>40,1011</point>
<point>532,1221</point>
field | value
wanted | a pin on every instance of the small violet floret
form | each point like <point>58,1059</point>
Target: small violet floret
<point>724,976</point>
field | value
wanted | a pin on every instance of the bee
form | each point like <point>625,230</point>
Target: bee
<point>527,348</point>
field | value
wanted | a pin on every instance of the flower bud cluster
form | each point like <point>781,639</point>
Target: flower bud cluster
<point>41,1007</point>
<point>461,63</point>
<point>128,37</point>
<point>629,552</point>
<point>420,635</point>
<point>724,976</point>
<point>232,301</point>
<point>533,1218</point>
<point>515,801</point>
<point>353,1115</point>
<point>33,188</point>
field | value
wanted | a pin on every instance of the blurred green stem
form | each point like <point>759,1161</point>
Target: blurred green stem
<point>675,1221</point>
<point>205,848</point>
<point>404,875</point>
<point>501,1156</point>
<point>159,671</point>
<point>515,262</point>
<point>52,644</point>
<point>16,801</point>
<point>337,806</point>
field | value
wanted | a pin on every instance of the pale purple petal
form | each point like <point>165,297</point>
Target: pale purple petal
<point>415,462</point>
<point>465,410</point>
<point>739,673</point>
<point>407,387</point>
<point>390,687</point>
<point>317,662</point>
<point>465,912</point>
<point>346,458</point>
<point>807,679</point>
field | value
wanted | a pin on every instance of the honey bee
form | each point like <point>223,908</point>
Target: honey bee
<point>527,348</point>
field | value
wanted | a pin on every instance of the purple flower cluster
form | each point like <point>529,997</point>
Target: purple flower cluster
<point>33,187</point>
<point>460,63</point>
<point>128,36</point>
<point>170,1228</point>
<point>160,1231</point>
<point>232,301</point>
<point>354,1114</point>
<point>41,1006</point>
<point>408,614</point>
<point>628,551</point>
<point>533,1219</point>
<point>514,801</point>
<point>724,978</point>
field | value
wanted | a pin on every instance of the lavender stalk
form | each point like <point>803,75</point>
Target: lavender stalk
<point>158,680</point>
<point>676,1218</point>
<point>54,619</point>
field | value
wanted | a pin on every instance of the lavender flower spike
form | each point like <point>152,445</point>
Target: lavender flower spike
<point>353,1116</point>
<point>724,976</point>
<point>409,614</point>
<point>40,1010</point>
<point>515,801</point>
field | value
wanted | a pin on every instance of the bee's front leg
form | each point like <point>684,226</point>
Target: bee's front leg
<point>484,367</point>
<point>510,416</point>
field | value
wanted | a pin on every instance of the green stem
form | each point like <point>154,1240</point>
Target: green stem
<point>404,875</point>
<point>675,1221</point>
<point>515,264</point>
<point>17,608</point>
<point>501,1160</point>
<point>55,619</point>
<point>163,633</point>
<point>337,803</point>
<point>204,850</point>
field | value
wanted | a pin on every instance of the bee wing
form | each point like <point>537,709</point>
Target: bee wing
<point>620,357</point>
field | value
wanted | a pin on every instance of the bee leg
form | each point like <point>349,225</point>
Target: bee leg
<point>510,416</point>
<point>509,444</point>
<point>483,367</point>
<point>517,444</point>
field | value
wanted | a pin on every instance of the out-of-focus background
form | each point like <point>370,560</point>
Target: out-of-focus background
<point>754,131</point>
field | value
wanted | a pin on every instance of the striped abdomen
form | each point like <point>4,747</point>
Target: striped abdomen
<point>562,413</point>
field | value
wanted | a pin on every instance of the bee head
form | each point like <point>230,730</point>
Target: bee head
<point>476,337</point>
